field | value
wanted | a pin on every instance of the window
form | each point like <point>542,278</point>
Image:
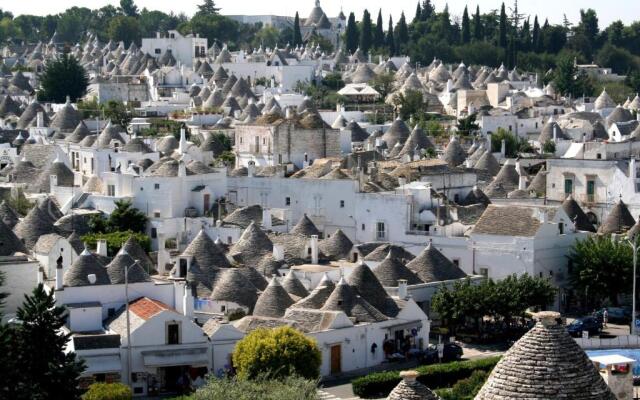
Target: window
<point>111,190</point>
<point>223,308</point>
<point>591,190</point>
<point>362,226</point>
<point>229,240</point>
<point>380,231</point>
<point>561,228</point>
<point>287,201</point>
<point>111,312</point>
<point>156,214</point>
<point>173,333</point>
<point>484,272</point>
<point>157,51</point>
<point>568,186</point>
<point>99,377</point>
<point>156,186</point>
<point>341,203</point>
<point>599,156</point>
<point>456,262</point>
<point>154,233</point>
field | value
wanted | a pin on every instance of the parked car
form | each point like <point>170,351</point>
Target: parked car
<point>589,324</point>
<point>451,352</point>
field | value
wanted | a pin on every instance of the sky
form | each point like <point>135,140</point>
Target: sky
<point>608,11</point>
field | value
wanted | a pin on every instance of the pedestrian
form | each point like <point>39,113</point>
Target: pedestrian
<point>605,317</point>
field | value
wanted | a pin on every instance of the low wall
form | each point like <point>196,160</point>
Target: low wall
<point>619,342</point>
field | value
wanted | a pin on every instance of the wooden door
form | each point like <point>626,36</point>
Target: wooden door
<point>207,202</point>
<point>336,359</point>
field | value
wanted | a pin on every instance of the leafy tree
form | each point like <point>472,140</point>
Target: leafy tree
<point>208,7</point>
<point>588,24</point>
<point>465,389</point>
<point>116,239</point>
<point>384,83</point>
<point>128,8</point>
<point>621,61</point>
<point>513,144</point>
<point>466,27</point>
<point>45,370</point>
<point>418,17</point>
<point>351,34</point>
<point>125,217</point>
<point>428,10</point>
<point>535,35</point>
<point>214,27</point>
<point>409,104</point>
<point>108,391</point>
<point>549,147</point>
<point>278,352</point>
<point>391,44</point>
<point>468,125</point>
<point>378,32</point>
<point>297,35</point>
<point>568,81</point>
<point>265,388</point>
<point>63,78</point>
<point>124,28</point>
<point>117,112</point>
<point>601,269</point>
<point>365,32</point>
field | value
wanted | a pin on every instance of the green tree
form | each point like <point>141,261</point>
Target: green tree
<point>568,81</point>
<point>418,16</point>
<point>378,32</point>
<point>502,33</point>
<point>117,112</point>
<point>366,34</point>
<point>384,83</point>
<point>513,144</point>
<point>428,10</point>
<point>208,7</point>
<point>351,33</point>
<point>621,61</point>
<point>468,126</point>
<point>478,35</point>
<point>402,33</point>
<point>535,35</point>
<point>391,43</point>
<point>409,104</point>
<point>549,147</point>
<point>125,217</point>
<point>128,8</point>
<point>297,35</point>
<point>46,371</point>
<point>466,27</point>
<point>124,28</point>
<point>588,24</point>
<point>278,352</point>
<point>108,391</point>
<point>601,269</point>
<point>62,78</point>
<point>264,388</point>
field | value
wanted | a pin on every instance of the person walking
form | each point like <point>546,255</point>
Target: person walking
<point>605,317</point>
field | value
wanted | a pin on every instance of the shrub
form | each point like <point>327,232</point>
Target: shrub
<point>108,391</point>
<point>278,352</point>
<point>290,388</point>
<point>433,376</point>
<point>466,389</point>
<point>115,240</point>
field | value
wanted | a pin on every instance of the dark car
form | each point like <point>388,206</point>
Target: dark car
<point>589,324</point>
<point>451,352</point>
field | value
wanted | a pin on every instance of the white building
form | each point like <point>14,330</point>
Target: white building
<point>184,49</point>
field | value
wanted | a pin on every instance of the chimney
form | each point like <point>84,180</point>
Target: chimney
<point>251,169</point>
<point>278,252</point>
<point>522,181</point>
<point>182,169</point>
<point>40,119</point>
<point>92,278</point>
<point>266,218</point>
<point>503,148</point>
<point>101,247</point>
<point>183,141</point>
<point>59,273</point>
<point>187,301</point>
<point>402,289</point>
<point>288,113</point>
<point>40,275</point>
<point>543,216</point>
<point>314,249</point>
<point>555,133</point>
<point>632,169</point>
<point>53,180</point>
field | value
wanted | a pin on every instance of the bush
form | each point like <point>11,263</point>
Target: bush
<point>466,389</point>
<point>108,391</point>
<point>115,240</point>
<point>433,376</point>
<point>278,352</point>
<point>291,388</point>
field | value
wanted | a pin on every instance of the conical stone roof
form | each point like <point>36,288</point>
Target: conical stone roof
<point>318,296</point>
<point>135,272</point>
<point>346,299</point>
<point>8,215</point>
<point>391,270</point>
<point>66,119</point>
<point>86,264</point>
<point>337,246</point>
<point>575,213</point>
<point>34,225</point>
<point>619,220</point>
<point>206,253</point>
<point>9,242</point>
<point>410,389</point>
<point>293,286</point>
<point>546,363</point>
<point>234,287</point>
<point>370,288</point>
<point>305,227</point>
<point>432,266</point>
<point>397,132</point>
<point>454,154</point>
<point>273,302</point>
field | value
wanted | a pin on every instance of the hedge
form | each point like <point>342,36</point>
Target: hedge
<point>435,376</point>
<point>115,240</point>
<point>108,391</point>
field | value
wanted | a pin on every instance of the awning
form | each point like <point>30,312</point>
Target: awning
<point>166,358</point>
<point>405,325</point>
<point>102,364</point>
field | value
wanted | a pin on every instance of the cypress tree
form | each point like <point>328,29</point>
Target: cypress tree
<point>297,35</point>
<point>535,36</point>
<point>378,33</point>
<point>502,33</point>
<point>391,43</point>
<point>352,34</point>
<point>427,10</point>
<point>365,34</point>
<point>477,25</point>
<point>418,16</point>
<point>402,33</point>
<point>466,27</point>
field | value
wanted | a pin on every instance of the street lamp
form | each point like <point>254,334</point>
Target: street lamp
<point>126,304</point>
<point>633,241</point>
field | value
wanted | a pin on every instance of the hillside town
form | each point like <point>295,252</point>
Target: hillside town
<point>328,217</point>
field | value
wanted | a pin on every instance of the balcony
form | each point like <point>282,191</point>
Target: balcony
<point>588,199</point>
